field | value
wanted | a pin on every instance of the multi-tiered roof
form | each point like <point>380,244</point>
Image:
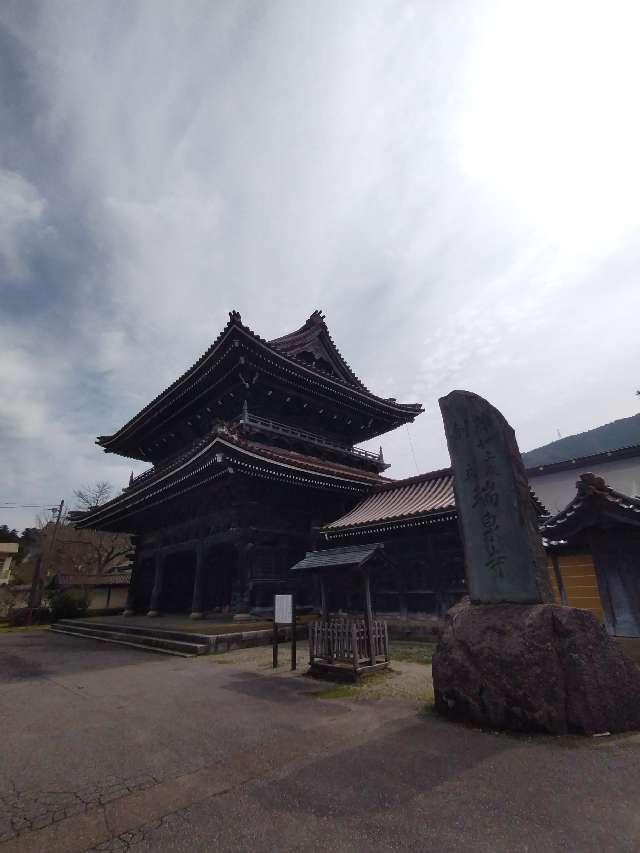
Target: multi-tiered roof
<point>300,380</point>
<point>289,410</point>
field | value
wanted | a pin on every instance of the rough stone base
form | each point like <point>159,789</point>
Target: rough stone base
<point>542,667</point>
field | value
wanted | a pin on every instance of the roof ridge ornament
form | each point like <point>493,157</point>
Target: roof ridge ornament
<point>590,484</point>
<point>234,317</point>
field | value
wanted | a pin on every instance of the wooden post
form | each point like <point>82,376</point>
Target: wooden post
<point>275,644</point>
<point>323,600</point>
<point>325,617</point>
<point>156,595</point>
<point>354,642</point>
<point>293,632</point>
<point>368,616</point>
<point>129,608</point>
<point>559,580</point>
<point>41,568</point>
<point>196,601</point>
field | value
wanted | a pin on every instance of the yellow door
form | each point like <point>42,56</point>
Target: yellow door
<point>580,583</point>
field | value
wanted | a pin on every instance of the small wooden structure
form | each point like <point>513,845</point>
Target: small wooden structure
<point>346,647</point>
<point>594,549</point>
<point>344,644</point>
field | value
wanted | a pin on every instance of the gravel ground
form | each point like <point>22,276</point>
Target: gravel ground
<point>406,679</point>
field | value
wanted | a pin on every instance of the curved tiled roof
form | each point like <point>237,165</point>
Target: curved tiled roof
<point>415,497</point>
<point>280,350</point>
<point>201,465</point>
<point>315,334</point>
<point>400,501</point>
<point>331,558</point>
<point>594,501</point>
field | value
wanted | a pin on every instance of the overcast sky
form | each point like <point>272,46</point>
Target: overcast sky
<point>456,184</point>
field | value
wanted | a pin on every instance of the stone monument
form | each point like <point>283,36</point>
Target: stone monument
<point>509,658</point>
<point>504,557</point>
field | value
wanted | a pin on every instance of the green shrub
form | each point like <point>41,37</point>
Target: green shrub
<point>68,604</point>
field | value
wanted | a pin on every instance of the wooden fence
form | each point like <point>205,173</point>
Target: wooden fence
<point>347,640</point>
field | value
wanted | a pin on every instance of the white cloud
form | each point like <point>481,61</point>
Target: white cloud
<point>280,158</point>
<point>21,209</point>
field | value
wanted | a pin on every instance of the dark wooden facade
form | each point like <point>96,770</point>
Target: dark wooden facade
<point>252,451</point>
<point>416,520</point>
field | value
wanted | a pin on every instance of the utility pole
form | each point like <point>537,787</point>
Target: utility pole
<point>42,566</point>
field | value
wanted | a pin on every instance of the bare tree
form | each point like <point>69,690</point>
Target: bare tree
<point>89,497</point>
<point>90,552</point>
<point>86,552</point>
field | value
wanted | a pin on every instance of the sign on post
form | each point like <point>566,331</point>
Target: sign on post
<point>284,613</point>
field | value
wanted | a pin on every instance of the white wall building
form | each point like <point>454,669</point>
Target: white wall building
<point>555,484</point>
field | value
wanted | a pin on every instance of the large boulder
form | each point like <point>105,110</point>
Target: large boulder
<point>540,667</point>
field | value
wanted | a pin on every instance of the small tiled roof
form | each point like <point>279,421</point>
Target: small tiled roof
<point>594,503</point>
<point>329,558</point>
<point>427,494</point>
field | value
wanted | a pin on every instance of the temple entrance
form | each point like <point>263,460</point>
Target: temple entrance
<point>221,566</point>
<point>178,581</point>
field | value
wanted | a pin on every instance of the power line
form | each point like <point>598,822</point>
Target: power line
<point>29,506</point>
<point>413,453</point>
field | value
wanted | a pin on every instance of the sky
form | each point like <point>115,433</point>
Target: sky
<point>455,184</point>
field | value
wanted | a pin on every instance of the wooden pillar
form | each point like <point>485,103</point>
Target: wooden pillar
<point>156,595</point>
<point>197,608</point>
<point>368,615</point>
<point>325,616</point>
<point>241,586</point>
<point>131,594</point>
<point>323,599</point>
<point>130,604</point>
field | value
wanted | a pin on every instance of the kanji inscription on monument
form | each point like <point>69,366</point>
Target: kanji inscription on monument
<point>504,557</point>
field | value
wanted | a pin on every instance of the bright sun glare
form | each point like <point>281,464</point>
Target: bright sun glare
<point>553,119</point>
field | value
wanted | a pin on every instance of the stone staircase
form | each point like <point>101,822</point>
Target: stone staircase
<point>178,643</point>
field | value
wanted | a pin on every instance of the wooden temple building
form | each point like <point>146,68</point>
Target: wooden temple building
<point>255,470</point>
<point>252,451</point>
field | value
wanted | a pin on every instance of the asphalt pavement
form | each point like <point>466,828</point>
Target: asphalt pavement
<point>110,748</point>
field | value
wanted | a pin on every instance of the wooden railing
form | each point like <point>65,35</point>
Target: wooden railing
<point>347,640</point>
<point>296,432</point>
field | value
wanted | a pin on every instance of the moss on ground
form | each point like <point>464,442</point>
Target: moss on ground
<point>5,628</point>
<point>412,652</point>
<point>404,680</point>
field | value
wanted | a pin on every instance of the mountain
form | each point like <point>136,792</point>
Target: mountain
<point>621,433</point>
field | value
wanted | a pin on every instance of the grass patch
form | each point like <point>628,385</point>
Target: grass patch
<point>5,628</point>
<point>368,685</point>
<point>339,691</point>
<point>412,652</point>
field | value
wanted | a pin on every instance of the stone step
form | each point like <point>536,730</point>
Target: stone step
<point>143,631</point>
<point>155,644</point>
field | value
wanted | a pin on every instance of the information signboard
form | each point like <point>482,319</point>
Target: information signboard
<point>284,609</point>
<point>284,613</point>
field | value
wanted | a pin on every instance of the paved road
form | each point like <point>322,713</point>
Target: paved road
<point>108,748</point>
